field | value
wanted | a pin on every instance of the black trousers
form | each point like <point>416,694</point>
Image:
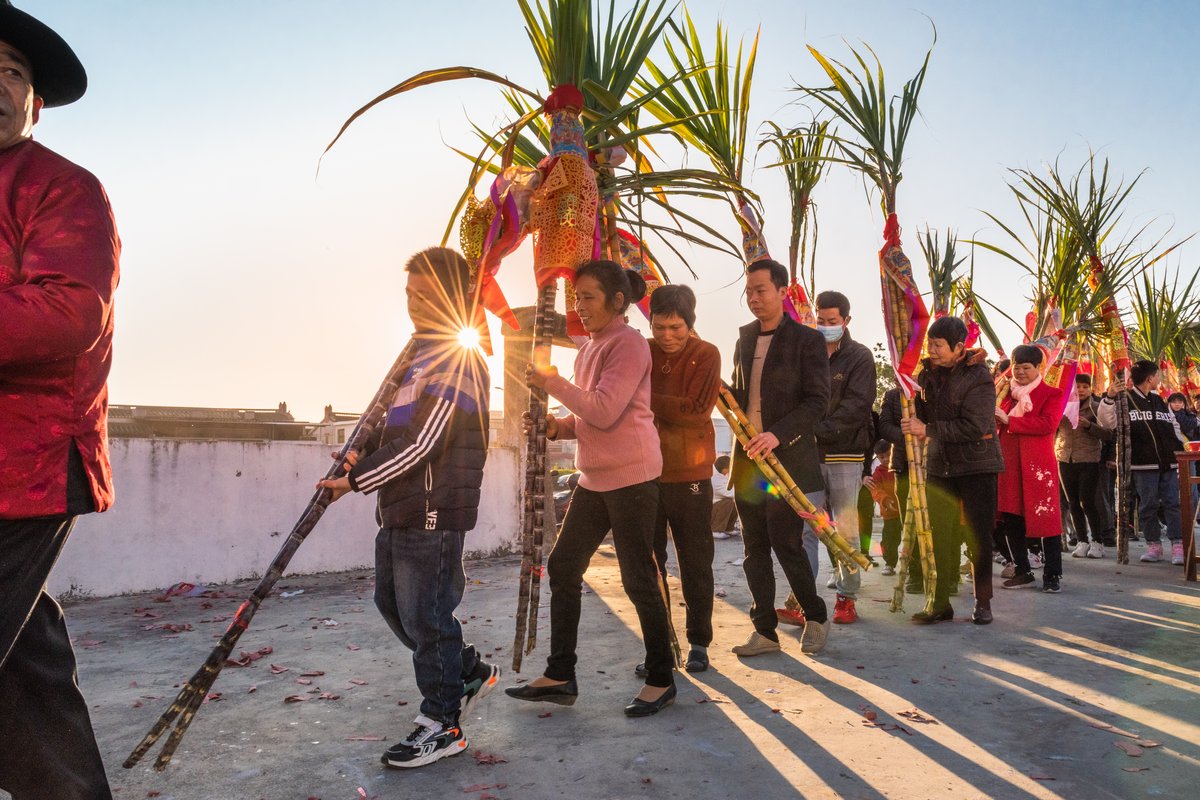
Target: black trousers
<point>47,748</point>
<point>1012,527</point>
<point>866,519</point>
<point>1081,484</point>
<point>893,529</point>
<point>629,513</point>
<point>769,525</point>
<point>686,508</point>
<point>1108,501</point>
<point>972,497</point>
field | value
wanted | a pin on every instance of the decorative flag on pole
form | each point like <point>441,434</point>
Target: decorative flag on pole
<point>906,316</point>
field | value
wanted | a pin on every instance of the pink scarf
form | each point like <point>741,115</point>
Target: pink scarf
<point>1021,394</point>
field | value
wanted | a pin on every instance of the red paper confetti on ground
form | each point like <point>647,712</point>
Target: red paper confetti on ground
<point>277,669</point>
<point>487,759</point>
<point>1129,748</point>
<point>917,716</point>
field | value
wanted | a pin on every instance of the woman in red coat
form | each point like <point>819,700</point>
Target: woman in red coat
<point>1028,487</point>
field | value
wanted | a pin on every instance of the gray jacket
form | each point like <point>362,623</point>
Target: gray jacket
<point>1082,445</point>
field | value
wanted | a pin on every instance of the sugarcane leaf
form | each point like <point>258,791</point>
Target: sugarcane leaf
<point>429,78</point>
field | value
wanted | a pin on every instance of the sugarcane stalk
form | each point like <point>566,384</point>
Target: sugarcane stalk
<point>907,541</point>
<point>774,472</point>
<point>533,526</point>
<point>665,592</point>
<point>1124,509</point>
<point>918,506</point>
<point>188,701</point>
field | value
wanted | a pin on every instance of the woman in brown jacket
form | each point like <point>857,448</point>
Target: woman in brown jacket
<point>684,378</point>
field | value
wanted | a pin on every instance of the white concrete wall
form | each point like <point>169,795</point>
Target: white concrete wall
<point>212,512</point>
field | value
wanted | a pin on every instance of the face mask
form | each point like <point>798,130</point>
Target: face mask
<point>832,333</point>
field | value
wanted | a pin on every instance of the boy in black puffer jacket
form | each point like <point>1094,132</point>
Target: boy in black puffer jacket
<point>427,466</point>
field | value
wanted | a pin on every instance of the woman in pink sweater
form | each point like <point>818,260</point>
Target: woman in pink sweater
<point>619,463</point>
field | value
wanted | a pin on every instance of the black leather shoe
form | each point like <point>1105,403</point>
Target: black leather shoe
<point>696,661</point>
<point>982,614</point>
<point>914,588</point>
<point>929,618</point>
<point>642,708</point>
<point>564,694</point>
<point>641,671</point>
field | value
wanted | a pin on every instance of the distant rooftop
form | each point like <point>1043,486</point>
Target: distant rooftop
<point>183,422</point>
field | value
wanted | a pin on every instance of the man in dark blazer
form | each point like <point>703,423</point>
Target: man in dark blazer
<point>781,381</point>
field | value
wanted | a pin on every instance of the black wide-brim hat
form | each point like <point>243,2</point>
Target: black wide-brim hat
<point>58,77</point>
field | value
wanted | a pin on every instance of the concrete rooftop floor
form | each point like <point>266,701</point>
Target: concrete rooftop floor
<point>1029,707</point>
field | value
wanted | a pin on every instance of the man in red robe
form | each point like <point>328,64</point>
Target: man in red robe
<point>58,270</point>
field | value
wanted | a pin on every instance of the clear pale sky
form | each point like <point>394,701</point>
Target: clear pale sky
<point>249,280</point>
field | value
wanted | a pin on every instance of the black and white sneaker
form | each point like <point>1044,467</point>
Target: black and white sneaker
<point>430,742</point>
<point>478,685</point>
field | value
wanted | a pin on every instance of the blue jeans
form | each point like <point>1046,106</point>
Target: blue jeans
<point>1155,488</point>
<point>419,581</point>
<point>842,482</point>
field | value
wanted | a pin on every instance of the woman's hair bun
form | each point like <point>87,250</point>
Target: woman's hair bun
<point>637,285</point>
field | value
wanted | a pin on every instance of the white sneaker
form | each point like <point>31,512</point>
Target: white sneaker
<point>1009,570</point>
<point>814,637</point>
<point>1035,561</point>
<point>720,535</point>
<point>1081,550</point>
<point>1095,550</point>
<point>756,645</point>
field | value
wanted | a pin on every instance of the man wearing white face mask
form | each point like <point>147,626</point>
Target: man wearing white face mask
<point>844,435</point>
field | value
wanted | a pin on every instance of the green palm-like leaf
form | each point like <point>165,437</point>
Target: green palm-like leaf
<point>943,267</point>
<point>802,157</point>
<point>714,100</point>
<point>1164,316</point>
<point>880,123</point>
<point>428,78</point>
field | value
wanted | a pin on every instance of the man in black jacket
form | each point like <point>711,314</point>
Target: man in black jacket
<point>956,412</point>
<point>845,434</point>
<point>781,380</point>
<point>427,467</point>
<point>843,437</point>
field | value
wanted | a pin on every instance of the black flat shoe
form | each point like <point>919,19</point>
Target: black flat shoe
<point>564,694</point>
<point>696,661</point>
<point>929,618</point>
<point>982,615</point>
<point>643,708</point>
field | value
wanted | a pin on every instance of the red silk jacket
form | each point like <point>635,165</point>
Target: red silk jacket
<point>59,255</point>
